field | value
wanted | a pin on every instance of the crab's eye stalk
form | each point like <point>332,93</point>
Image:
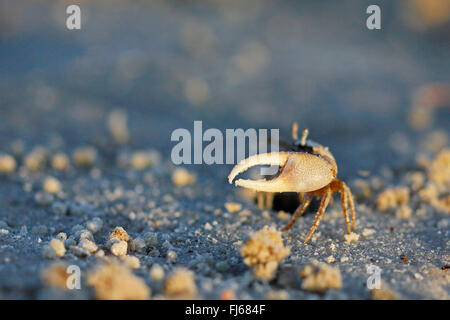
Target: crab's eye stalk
<point>304,145</point>
<point>299,142</point>
<point>304,136</point>
<point>294,131</point>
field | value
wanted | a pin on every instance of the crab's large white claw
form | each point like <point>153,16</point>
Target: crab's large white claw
<point>275,158</point>
<point>300,172</point>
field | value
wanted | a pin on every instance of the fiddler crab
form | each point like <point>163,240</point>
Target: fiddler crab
<point>308,168</point>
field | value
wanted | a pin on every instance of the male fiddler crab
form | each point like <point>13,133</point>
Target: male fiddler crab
<point>307,168</point>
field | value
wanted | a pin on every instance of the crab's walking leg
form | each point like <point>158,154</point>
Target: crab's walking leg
<point>260,199</point>
<point>264,200</point>
<point>344,208</point>
<point>298,212</point>
<point>352,206</point>
<point>323,205</point>
<point>301,197</point>
<point>269,199</point>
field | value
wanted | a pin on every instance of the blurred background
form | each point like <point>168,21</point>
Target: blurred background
<point>376,97</point>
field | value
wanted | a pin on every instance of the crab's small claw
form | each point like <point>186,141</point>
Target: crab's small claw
<point>300,172</point>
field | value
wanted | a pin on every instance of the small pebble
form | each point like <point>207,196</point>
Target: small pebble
<point>61,236</point>
<point>88,245</point>
<point>277,295</point>
<point>181,177</point>
<point>119,248</point>
<point>85,156</point>
<point>76,228</point>
<point>111,241</point>
<point>233,207</point>
<point>383,293</point>
<point>48,252</point>
<point>100,254</point>
<point>208,226</point>
<point>368,232</point>
<point>84,234</point>
<point>141,160</point>
<point>282,215</point>
<point>351,238</point>
<point>418,276</point>
<point>228,294</point>
<point>138,245</point>
<point>319,277</point>
<point>35,160</point>
<point>150,239</point>
<point>180,284</point>
<point>70,242</point>
<point>172,256</point>
<point>117,125</point>
<point>55,275</point>
<point>154,252</point>
<point>58,246</point>
<point>392,197</point>
<point>60,161</point>
<point>157,272</point>
<point>263,251</point>
<point>94,225</point>
<point>132,262</point>
<point>112,281</point>
<point>78,251</point>
<point>120,234</point>
<point>7,163</point>
<point>404,212</point>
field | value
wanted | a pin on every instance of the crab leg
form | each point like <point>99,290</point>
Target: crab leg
<point>264,199</point>
<point>344,208</point>
<point>352,205</point>
<point>319,215</point>
<point>260,198</point>
<point>300,210</point>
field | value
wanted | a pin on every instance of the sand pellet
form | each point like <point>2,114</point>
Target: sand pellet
<point>51,185</point>
<point>115,282</point>
<point>181,177</point>
<point>7,163</point>
<point>263,252</point>
<point>180,284</point>
<point>319,277</point>
<point>119,248</point>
